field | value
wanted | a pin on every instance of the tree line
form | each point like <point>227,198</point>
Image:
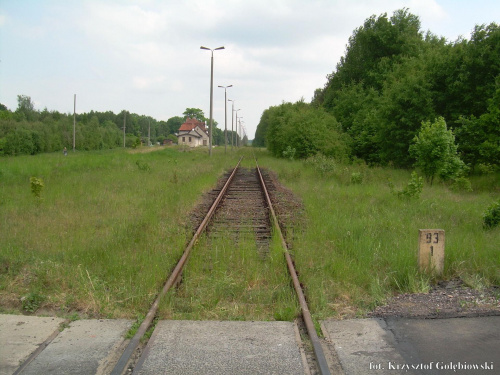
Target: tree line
<point>392,80</point>
<point>30,131</point>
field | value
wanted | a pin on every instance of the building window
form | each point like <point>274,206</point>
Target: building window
<point>189,139</point>
<point>183,139</point>
<point>204,142</point>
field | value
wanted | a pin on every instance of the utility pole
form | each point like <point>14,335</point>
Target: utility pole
<point>236,127</point>
<point>211,97</point>
<point>74,122</point>
<point>238,139</point>
<point>225,116</point>
<point>232,123</point>
<point>149,132</point>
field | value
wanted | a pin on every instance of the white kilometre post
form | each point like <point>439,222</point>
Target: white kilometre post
<point>431,250</point>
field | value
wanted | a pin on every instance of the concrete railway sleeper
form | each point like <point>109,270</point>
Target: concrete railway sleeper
<point>239,186</point>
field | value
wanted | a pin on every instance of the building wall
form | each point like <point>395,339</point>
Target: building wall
<point>192,141</point>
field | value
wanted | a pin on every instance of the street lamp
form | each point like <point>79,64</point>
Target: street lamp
<point>236,125</point>
<point>232,118</point>
<point>243,132</point>
<point>238,137</point>
<point>225,115</point>
<point>211,96</point>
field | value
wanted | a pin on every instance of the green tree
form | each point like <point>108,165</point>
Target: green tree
<point>479,138</point>
<point>435,150</point>
<point>26,108</point>
<point>356,109</point>
<point>195,113</point>
<point>406,100</point>
<point>172,125</point>
<point>306,129</point>
<point>374,48</point>
<point>261,131</point>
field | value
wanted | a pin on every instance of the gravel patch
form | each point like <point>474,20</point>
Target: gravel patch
<point>447,299</point>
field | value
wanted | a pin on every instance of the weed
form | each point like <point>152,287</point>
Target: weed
<point>74,317</point>
<point>461,184</point>
<point>289,153</point>
<point>32,301</point>
<point>475,281</point>
<point>323,165</point>
<point>174,178</point>
<point>356,178</point>
<point>134,327</point>
<point>412,190</point>
<point>36,187</point>
<point>286,313</point>
<point>143,166</point>
<point>491,217</point>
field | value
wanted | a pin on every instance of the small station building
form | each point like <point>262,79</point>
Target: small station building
<point>192,133</point>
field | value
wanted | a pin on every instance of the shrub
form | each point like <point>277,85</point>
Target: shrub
<point>322,164</point>
<point>36,186</point>
<point>486,168</point>
<point>491,218</point>
<point>412,190</point>
<point>32,302</point>
<point>143,166</point>
<point>289,153</point>
<point>462,184</point>
<point>435,150</point>
<point>356,178</point>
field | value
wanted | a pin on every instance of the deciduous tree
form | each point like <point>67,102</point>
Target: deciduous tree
<point>435,150</point>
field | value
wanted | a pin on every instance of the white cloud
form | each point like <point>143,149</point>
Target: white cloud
<point>148,83</point>
<point>144,56</point>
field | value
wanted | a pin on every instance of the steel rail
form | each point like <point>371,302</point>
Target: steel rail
<point>306,315</point>
<point>134,342</point>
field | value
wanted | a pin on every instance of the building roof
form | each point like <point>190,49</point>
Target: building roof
<point>192,123</point>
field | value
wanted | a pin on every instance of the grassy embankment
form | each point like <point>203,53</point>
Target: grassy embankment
<point>105,234</point>
<point>360,245</point>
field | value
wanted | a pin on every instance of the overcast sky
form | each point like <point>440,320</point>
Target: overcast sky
<point>144,55</point>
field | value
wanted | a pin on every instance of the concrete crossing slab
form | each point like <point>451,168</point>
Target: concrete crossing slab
<point>416,346</point>
<point>86,347</point>
<point>363,346</point>
<point>222,347</point>
<point>20,336</point>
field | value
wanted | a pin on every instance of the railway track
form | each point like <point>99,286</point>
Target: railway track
<point>242,205</point>
<point>243,211</point>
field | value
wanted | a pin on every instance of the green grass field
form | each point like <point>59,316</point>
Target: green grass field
<point>109,226</point>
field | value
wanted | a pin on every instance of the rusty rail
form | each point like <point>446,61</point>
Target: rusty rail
<point>134,342</point>
<point>306,315</point>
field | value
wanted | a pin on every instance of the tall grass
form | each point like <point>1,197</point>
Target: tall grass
<point>104,234</point>
<point>361,241</point>
<point>231,280</point>
<point>109,226</point>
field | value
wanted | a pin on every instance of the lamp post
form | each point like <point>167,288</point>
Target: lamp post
<point>225,116</point>
<point>238,138</point>
<point>243,132</point>
<point>211,96</point>
<point>236,121</point>
<point>232,118</point>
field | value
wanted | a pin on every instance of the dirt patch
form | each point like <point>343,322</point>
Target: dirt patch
<point>145,149</point>
<point>288,207</point>
<point>447,299</point>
